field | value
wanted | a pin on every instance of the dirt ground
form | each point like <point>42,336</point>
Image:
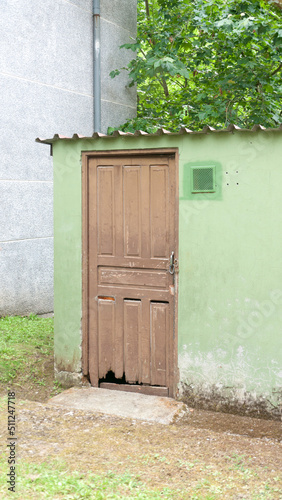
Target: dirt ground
<point>228,456</point>
<point>198,451</point>
<point>233,457</point>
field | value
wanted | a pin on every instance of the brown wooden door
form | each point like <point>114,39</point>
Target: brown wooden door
<point>131,234</point>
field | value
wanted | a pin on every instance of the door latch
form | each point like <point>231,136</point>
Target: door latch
<point>171,263</point>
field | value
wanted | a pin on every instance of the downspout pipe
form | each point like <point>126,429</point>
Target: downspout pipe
<point>97,65</point>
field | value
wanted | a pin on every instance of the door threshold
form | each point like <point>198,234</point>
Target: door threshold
<point>150,390</point>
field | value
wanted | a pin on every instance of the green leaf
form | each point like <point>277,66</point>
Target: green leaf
<point>114,73</point>
<point>202,61</point>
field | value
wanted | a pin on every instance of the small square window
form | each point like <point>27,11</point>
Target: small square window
<point>203,179</point>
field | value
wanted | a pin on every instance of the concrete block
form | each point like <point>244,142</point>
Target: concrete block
<point>112,57</point>
<point>70,379</point>
<point>114,114</point>
<point>46,82</point>
<point>82,4</point>
<point>26,270</point>
<point>122,404</point>
<point>51,44</point>
<point>26,209</point>
<point>121,12</point>
<point>30,110</point>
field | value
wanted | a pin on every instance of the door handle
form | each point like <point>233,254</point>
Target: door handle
<point>171,263</point>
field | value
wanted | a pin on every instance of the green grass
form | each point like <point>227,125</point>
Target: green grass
<point>53,481</point>
<point>23,339</point>
<point>25,343</point>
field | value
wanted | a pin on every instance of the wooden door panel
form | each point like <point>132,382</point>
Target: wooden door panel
<point>131,211</point>
<point>145,344</point>
<point>118,365</point>
<point>132,262</point>
<point>132,277</point>
<point>132,339</point>
<point>131,234</point>
<point>132,327</point>
<point>105,204</point>
<point>159,323</point>
<point>106,329</point>
<point>159,203</point>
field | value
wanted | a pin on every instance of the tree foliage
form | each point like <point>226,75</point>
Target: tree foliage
<point>202,62</point>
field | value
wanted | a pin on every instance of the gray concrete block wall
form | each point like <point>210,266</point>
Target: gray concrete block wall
<point>118,26</point>
<point>46,84</point>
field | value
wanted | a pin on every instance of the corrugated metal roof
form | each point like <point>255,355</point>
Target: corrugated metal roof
<point>161,131</point>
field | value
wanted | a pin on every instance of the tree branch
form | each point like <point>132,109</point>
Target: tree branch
<point>276,70</point>
<point>163,83</point>
<point>147,8</point>
<point>165,87</point>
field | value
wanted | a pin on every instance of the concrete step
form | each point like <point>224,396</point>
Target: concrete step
<point>157,409</point>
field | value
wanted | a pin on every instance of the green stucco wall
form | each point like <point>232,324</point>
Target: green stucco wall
<point>230,300</point>
<point>230,259</point>
<point>67,260</point>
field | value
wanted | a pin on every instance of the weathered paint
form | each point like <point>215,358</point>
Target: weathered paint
<point>67,263</point>
<point>129,222</point>
<point>230,253</point>
<point>230,301</point>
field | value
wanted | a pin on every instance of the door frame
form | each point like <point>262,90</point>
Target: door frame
<point>85,156</point>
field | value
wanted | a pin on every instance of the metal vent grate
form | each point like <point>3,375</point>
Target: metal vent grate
<point>203,179</point>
